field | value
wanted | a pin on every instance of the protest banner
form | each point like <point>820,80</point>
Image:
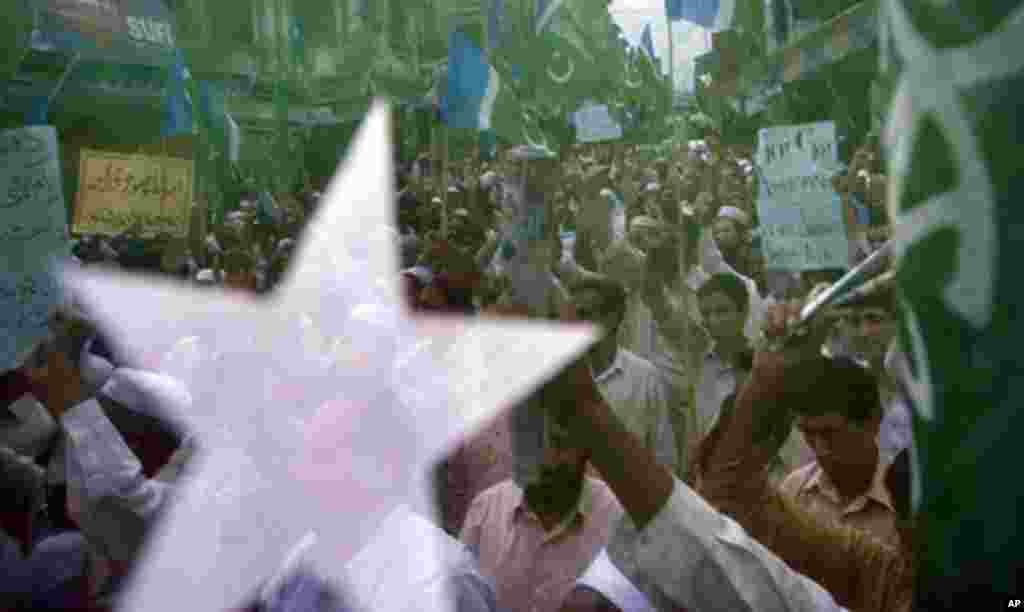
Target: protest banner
<point>118,191</point>
<point>595,124</point>
<point>33,234</point>
<point>801,216</point>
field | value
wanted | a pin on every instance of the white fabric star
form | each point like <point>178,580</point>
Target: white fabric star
<point>274,466</point>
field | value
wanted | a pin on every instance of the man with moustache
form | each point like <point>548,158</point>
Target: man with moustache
<point>535,541</point>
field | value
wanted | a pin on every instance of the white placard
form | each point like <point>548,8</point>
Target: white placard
<point>800,213</point>
<point>33,235</point>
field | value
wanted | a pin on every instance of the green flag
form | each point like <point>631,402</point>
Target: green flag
<point>955,204</point>
<point>296,41</point>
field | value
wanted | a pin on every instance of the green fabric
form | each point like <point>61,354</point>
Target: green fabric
<point>959,189</point>
<point>296,41</point>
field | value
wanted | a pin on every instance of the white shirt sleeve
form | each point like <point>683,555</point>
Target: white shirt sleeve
<point>689,555</point>
<point>663,438</point>
<point>606,579</point>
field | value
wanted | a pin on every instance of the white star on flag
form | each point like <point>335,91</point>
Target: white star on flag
<point>275,466</point>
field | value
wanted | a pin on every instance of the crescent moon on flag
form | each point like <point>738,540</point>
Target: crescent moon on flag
<point>542,143</point>
<point>629,83</point>
<point>562,79</point>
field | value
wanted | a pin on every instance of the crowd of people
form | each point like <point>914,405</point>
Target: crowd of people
<point>686,464</point>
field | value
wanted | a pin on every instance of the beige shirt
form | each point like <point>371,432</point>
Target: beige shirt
<point>718,380</point>
<point>535,569</point>
<point>872,511</point>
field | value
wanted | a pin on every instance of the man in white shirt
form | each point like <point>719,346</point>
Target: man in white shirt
<point>872,323</point>
<point>723,302</point>
<point>678,550</point>
<point>632,386</point>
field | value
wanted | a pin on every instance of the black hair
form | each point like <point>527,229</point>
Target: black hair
<point>842,386</point>
<point>612,292</point>
<point>730,285</point>
<point>238,260</point>
<point>884,298</point>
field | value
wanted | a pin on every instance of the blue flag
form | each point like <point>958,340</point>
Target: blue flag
<point>38,111</point>
<point>177,106</point>
<point>473,86</point>
<point>213,115</point>
<point>546,11</point>
<point>709,14</point>
<point>647,42</point>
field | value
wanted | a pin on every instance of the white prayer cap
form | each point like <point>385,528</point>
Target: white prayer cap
<point>530,153</point>
<point>488,179</point>
<point>421,273</point>
<point>731,212</point>
<point>206,277</point>
<point>213,244</point>
<point>645,222</point>
<point>603,577</point>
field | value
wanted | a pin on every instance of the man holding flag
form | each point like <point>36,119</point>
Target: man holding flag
<point>953,139</point>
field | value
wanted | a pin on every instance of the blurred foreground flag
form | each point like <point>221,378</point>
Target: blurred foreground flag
<point>954,149</point>
<point>647,42</point>
<point>177,111</point>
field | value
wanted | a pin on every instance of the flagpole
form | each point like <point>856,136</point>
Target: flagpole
<point>671,62</point>
<point>444,182</point>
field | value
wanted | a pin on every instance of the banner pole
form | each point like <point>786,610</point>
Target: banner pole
<point>671,62</point>
<point>444,182</point>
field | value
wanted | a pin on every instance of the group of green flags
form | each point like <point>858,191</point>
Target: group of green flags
<point>558,57</point>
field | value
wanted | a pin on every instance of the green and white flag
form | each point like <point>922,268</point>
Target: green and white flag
<point>954,133</point>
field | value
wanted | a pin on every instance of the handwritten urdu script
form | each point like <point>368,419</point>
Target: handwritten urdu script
<point>33,236</point>
<point>119,192</point>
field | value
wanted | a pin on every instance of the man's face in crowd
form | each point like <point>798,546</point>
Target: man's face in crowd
<point>871,330</point>
<point>559,481</point>
<point>690,176</point>
<point>734,193</point>
<point>839,443</point>
<point>723,318</point>
<point>863,158</point>
<point>726,235</point>
<point>645,238</point>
